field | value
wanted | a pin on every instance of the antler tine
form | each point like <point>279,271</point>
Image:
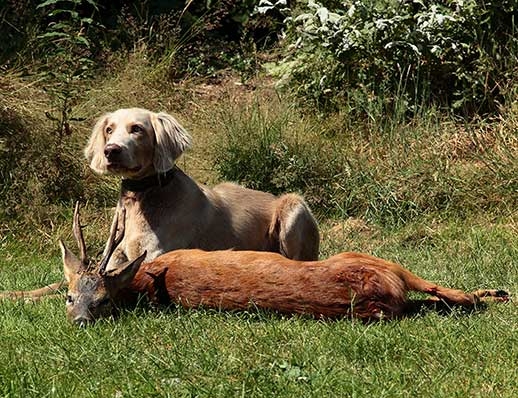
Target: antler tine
<point>78,234</point>
<point>113,240</point>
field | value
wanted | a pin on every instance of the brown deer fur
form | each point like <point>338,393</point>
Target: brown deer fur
<point>348,284</point>
<point>343,285</point>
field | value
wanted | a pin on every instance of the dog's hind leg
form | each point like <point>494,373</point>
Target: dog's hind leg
<point>293,229</point>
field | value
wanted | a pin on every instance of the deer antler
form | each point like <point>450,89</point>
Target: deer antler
<point>78,233</point>
<point>113,240</point>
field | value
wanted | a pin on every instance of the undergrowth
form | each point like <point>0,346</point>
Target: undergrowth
<point>386,164</point>
<point>459,55</point>
<point>389,173</point>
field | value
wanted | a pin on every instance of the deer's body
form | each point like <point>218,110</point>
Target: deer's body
<point>348,284</point>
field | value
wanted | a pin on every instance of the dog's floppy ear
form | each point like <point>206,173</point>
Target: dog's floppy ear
<point>94,151</point>
<point>171,141</point>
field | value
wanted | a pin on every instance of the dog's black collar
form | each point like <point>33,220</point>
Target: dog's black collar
<point>155,180</point>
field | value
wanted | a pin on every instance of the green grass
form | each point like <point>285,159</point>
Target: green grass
<point>209,353</point>
<point>391,170</point>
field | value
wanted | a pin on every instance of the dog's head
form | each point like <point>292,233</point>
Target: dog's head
<point>135,142</point>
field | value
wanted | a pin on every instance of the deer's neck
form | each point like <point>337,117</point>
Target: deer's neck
<point>151,285</point>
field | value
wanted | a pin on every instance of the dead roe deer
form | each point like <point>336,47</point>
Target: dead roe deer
<point>348,284</point>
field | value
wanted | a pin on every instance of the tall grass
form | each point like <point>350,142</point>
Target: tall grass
<point>386,170</point>
<point>271,150</point>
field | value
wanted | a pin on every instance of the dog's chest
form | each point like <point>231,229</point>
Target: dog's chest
<point>141,236</point>
<point>156,232</point>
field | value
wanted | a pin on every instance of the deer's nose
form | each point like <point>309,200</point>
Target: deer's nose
<point>112,150</point>
<point>82,321</point>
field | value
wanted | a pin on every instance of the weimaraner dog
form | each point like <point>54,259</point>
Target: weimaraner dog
<point>168,210</point>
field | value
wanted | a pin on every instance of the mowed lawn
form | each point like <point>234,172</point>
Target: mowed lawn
<point>210,353</point>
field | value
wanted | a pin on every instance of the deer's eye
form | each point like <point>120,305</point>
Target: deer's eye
<point>102,302</point>
<point>69,300</point>
<point>136,129</point>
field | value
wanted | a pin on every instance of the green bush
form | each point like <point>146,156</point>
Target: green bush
<point>261,152</point>
<point>189,38</point>
<point>459,54</point>
<point>19,24</point>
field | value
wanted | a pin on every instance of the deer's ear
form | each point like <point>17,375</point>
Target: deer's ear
<point>71,263</point>
<point>123,275</point>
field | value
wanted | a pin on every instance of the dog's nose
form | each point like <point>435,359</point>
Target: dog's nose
<point>112,150</point>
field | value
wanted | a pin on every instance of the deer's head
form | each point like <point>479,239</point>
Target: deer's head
<point>92,290</point>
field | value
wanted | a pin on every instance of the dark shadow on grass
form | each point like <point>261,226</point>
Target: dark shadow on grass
<point>419,308</point>
<point>416,308</point>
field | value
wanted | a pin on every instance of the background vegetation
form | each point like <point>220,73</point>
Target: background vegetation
<point>397,120</point>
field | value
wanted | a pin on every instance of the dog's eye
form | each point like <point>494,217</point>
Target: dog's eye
<point>69,300</point>
<point>108,130</point>
<point>136,129</point>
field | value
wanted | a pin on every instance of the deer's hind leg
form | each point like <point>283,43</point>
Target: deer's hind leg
<point>492,295</point>
<point>49,291</point>
<point>449,296</point>
<point>459,297</point>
